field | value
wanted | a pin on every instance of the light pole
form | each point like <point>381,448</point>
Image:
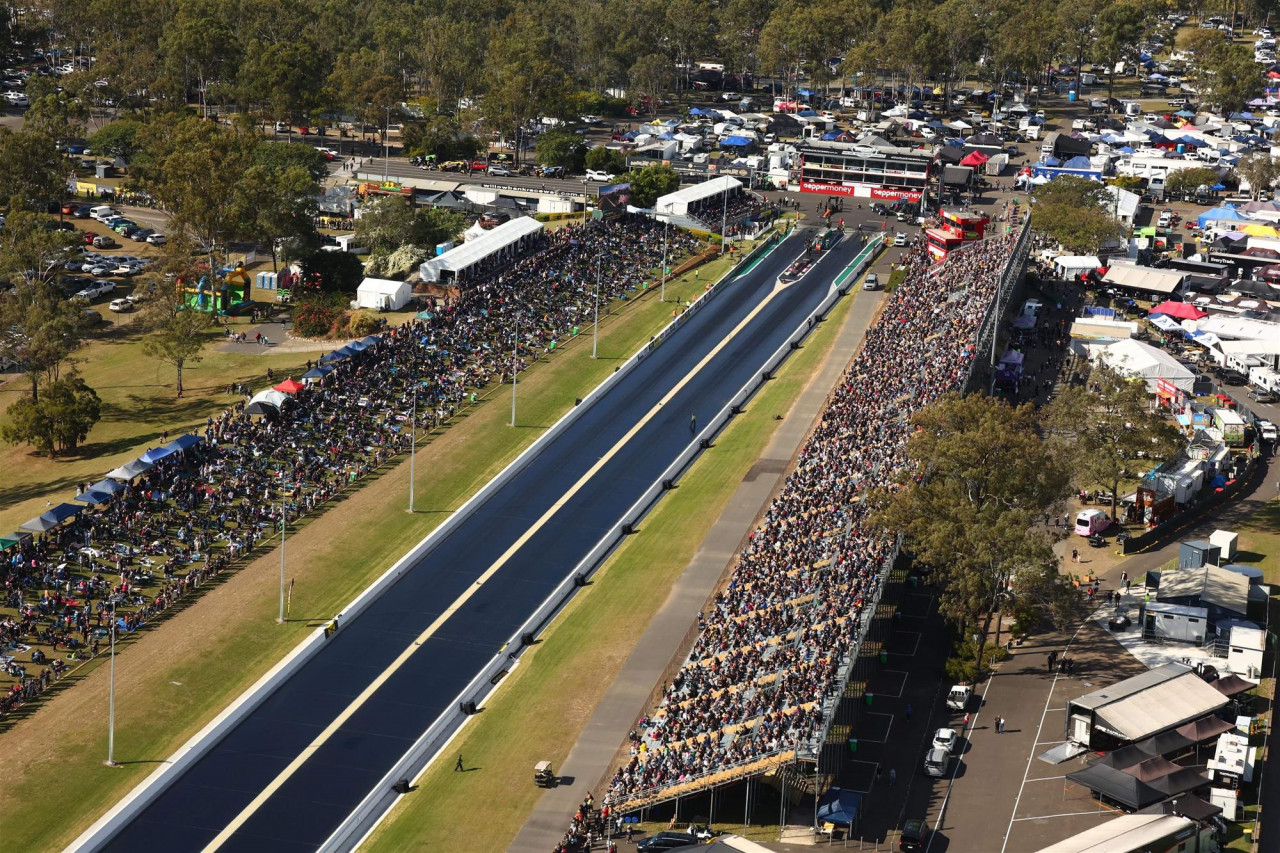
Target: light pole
<point>665,225</point>
<point>413,441</point>
<point>284,523</point>
<point>111,694</point>
<point>515,364</point>
<point>386,145</point>
<point>724,219</point>
<point>595,321</point>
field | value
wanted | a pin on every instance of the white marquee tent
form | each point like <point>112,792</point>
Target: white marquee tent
<point>382,294</point>
<point>678,202</point>
<point>1134,358</point>
<point>506,238</point>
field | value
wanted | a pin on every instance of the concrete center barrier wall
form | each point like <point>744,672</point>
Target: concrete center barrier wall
<point>106,827</point>
<point>370,811</point>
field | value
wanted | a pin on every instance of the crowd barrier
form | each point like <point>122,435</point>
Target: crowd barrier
<point>106,827</point>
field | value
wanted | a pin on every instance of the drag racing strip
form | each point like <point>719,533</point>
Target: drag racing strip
<point>365,695</point>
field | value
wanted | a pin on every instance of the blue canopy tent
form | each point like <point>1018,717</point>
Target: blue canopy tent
<point>697,111</point>
<point>734,142</point>
<point>1080,162</point>
<point>52,518</point>
<point>93,497</point>
<point>357,346</point>
<point>1218,213</point>
<point>839,806</point>
<point>371,339</point>
<point>155,454</point>
<point>107,487</point>
<point>1125,149</point>
<point>320,371</point>
<point>1051,161</point>
<point>805,93</point>
<point>1193,142</point>
<point>338,355</point>
<point>1185,114</point>
<point>181,443</point>
<point>830,135</point>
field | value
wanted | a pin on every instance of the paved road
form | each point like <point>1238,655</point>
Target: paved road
<point>300,812</point>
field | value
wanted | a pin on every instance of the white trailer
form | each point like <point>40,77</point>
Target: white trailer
<point>1264,377</point>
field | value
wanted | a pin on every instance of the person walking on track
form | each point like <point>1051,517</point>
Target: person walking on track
<point>693,425</point>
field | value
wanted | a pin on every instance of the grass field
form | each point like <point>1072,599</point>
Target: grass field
<point>558,684</point>
<point>171,681</point>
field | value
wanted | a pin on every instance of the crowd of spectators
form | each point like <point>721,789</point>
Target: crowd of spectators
<point>193,513</point>
<point>740,207</point>
<point>777,640</point>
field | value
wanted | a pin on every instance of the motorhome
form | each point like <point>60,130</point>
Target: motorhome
<point>1148,166</point>
<point>1265,378</point>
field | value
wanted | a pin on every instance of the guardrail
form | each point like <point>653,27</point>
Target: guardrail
<point>106,827</point>
<point>364,818</point>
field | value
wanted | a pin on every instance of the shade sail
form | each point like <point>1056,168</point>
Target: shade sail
<point>129,470</point>
<point>52,518</point>
<point>290,386</point>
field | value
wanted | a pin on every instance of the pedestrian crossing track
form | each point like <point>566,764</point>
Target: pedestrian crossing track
<point>289,773</point>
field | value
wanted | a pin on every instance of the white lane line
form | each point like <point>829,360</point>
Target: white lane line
<point>1048,778</point>
<point>337,723</point>
<point>1098,813</point>
<point>1032,755</point>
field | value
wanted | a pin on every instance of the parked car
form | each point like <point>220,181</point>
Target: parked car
<point>120,305</point>
<point>499,170</point>
<point>946,739</point>
<point>871,282</point>
<point>124,229</point>
<point>96,289</point>
<point>597,175</point>
<point>156,240</point>
<point>899,239</point>
<point>666,841</point>
<point>104,242</point>
<point>142,234</point>
<point>914,836</point>
<point>937,762</point>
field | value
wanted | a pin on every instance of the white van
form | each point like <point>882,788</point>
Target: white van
<point>100,211</point>
<point>958,697</point>
<point>1091,521</point>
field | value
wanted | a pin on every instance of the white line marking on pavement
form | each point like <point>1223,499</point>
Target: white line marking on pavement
<point>951,782</point>
<point>888,728</point>
<point>366,694</point>
<point>1048,778</point>
<point>1098,813</point>
<point>1032,755</point>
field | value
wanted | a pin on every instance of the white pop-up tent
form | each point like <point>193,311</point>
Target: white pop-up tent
<point>382,294</point>
<point>1134,358</point>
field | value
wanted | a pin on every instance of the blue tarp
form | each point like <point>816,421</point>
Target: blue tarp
<point>1125,149</point>
<point>734,141</point>
<point>697,111</point>
<point>839,806</point>
<point>1051,161</point>
<point>1080,162</point>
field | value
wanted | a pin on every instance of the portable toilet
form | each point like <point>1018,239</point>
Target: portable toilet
<point>1226,542</point>
<point>266,280</point>
<point>1176,622</point>
<point>1198,553</point>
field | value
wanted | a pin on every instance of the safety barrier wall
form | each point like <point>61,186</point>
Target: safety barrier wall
<point>370,810</point>
<point>103,830</point>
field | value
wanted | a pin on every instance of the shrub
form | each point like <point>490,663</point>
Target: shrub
<point>364,323</point>
<point>315,318</point>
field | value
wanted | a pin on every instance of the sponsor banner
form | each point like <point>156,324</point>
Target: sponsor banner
<point>894,195</point>
<point>825,188</point>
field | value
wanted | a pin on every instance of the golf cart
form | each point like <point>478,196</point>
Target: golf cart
<point>542,775</point>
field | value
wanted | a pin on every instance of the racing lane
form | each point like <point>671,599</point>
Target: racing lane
<point>302,812</point>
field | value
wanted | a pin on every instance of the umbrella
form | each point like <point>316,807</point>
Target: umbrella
<point>130,470</point>
<point>290,386</point>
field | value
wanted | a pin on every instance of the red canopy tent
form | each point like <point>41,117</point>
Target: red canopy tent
<point>290,386</point>
<point>1181,310</point>
<point>974,159</point>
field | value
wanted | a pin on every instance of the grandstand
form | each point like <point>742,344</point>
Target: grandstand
<point>768,672</point>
